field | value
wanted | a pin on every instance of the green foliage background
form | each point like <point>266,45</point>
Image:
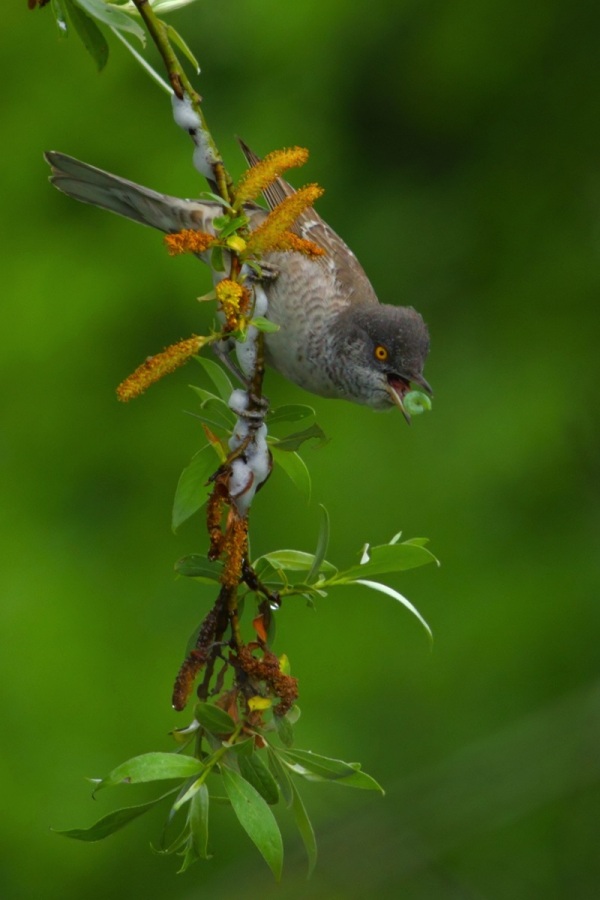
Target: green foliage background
<point>459,144</point>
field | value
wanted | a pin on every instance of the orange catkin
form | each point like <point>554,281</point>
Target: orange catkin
<point>154,367</point>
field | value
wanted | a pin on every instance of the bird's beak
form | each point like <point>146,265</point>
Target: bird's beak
<point>399,386</point>
<point>418,379</point>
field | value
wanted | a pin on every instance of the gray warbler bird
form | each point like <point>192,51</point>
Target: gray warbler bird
<point>335,338</point>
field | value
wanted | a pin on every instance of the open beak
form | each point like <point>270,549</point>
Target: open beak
<point>399,385</point>
<point>418,379</point>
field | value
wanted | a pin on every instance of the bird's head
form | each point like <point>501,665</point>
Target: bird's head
<point>383,351</point>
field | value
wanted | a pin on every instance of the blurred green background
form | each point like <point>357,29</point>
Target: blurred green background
<point>460,148</point>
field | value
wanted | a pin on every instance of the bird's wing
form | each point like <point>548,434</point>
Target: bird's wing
<point>349,273</point>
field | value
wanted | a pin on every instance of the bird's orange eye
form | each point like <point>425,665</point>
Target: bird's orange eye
<point>381,353</point>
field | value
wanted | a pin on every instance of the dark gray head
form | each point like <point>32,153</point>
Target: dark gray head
<point>382,350</point>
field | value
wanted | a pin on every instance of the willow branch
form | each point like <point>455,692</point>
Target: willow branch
<point>183,88</point>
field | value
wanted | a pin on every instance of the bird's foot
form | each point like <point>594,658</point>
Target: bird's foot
<point>264,272</point>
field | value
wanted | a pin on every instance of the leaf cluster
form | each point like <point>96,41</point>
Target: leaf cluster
<point>251,770</point>
<point>90,18</point>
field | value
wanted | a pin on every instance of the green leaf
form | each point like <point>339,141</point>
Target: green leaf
<point>386,589</point>
<point>305,828</point>
<point>253,769</point>
<point>265,325</point>
<point>215,412</point>
<point>322,545</point>
<point>209,195</point>
<point>322,768</point>
<point>114,821</point>
<point>285,730</point>
<point>116,18</point>
<point>293,441</point>
<point>292,412</point>
<point>294,561</point>
<point>192,489</point>
<point>143,62</point>
<point>198,567</point>
<point>187,794</point>
<point>418,542</point>
<point>89,33</point>
<point>214,719</point>
<point>198,821</point>
<point>177,39</point>
<point>218,377</point>
<point>217,263</point>
<point>390,558</point>
<point>280,774</point>
<point>295,468</point>
<point>256,818</point>
<point>227,226</point>
<point>151,767</point>
<point>60,15</point>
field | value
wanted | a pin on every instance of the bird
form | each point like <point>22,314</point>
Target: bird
<point>335,339</point>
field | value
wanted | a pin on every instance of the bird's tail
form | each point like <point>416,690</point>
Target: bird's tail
<point>91,185</point>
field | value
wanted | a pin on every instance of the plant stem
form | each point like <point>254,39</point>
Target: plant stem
<point>182,88</point>
<point>233,541</point>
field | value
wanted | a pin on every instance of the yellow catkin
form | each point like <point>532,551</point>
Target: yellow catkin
<point>189,241</point>
<point>281,218</point>
<point>267,170</point>
<point>234,300</point>
<point>290,241</point>
<point>154,367</point>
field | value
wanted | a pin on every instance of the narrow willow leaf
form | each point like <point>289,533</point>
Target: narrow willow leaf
<point>322,545</point>
<point>164,6</point>
<point>281,776</point>
<point>244,748</point>
<point>227,226</point>
<point>151,767</point>
<point>89,33</point>
<point>390,558</point>
<point>214,411</point>
<point>142,62</point>
<point>214,719</point>
<point>256,818</point>
<point>189,856</point>
<point>285,731</point>
<point>188,794</point>
<point>265,325</point>
<point>218,377</point>
<point>165,849</point>
<point>102,11</point>
<point>192,489</point>
<point>314,767</point>
<point>293,412</point>
<point>418,542</point>
<point>294,714</point>
<point>305,828</point>
<point>253,769</point>
<point>208,396</point>
<point>295,468</point>
<point>114,821</point>
<point>217,263</point>
<point>295,561</point>
<point>386,589</point>
<point>293,441</point>
<point>60,15</point>
<point>198,567</point>
<point>176,39</point>
<point>198,821</point>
